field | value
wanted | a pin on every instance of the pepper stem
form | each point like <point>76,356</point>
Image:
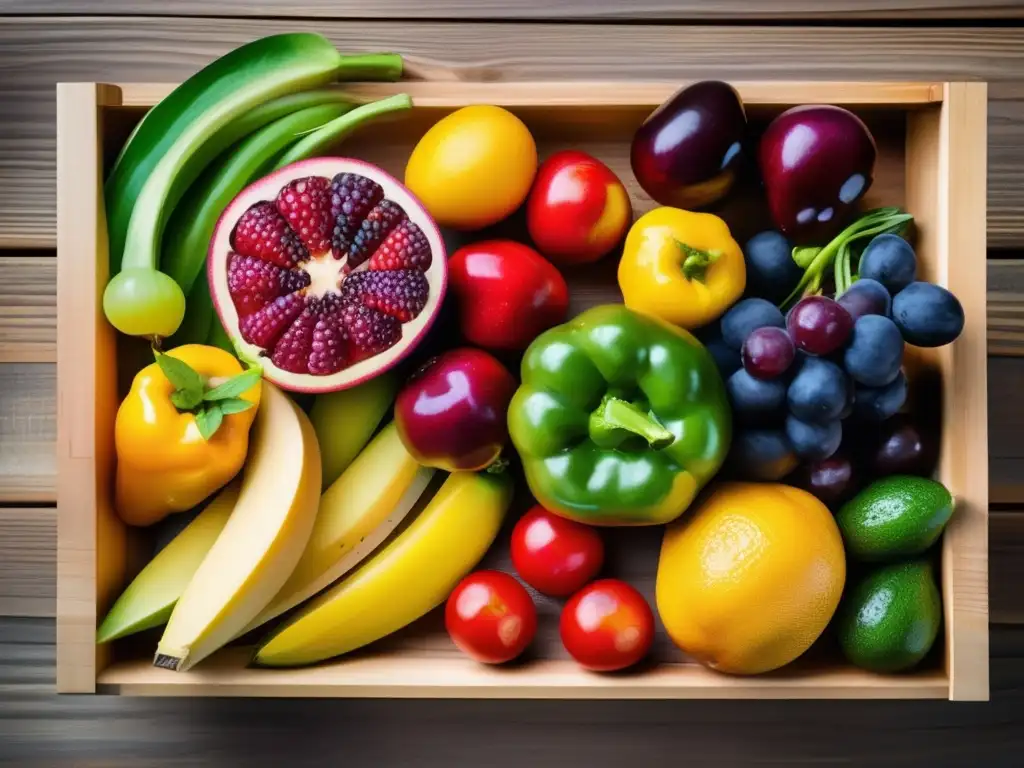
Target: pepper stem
<point>616,420</point>
<point>696,261</point>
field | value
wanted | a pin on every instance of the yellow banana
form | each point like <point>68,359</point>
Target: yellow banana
<point>262,541</point>
<point>358,511</point>
<point>147,602</point>
<point>345,420</point>
<point>412,574</point>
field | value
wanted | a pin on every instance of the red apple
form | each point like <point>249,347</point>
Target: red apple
<point>507,293</point>
<point>452,413</point>
<point>578,210</point>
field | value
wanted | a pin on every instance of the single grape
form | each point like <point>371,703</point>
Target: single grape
<point>927,315</point>
<point>756,401</point>
<point>818,392</point>
<point>879,403</point>
<point>144,302</point>
<point>890,260</point>
<point>768,353</point>
<point>903,448</point>
<point>875,353</point>
<point>866,297</point>
<point>813,441</point>
<point>771,272</point>
<point>819,325</point>
<point>762,454</point>
<point>833,480</point>
<point>746,316</point>
<point>726,358</point>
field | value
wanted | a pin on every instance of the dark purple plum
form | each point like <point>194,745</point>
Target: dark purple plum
<point>817,161</point>
<point>903,448</point>
<point>927,315</point>
<point>687,152</point>
<point>833,480</point>
<point>866,297</point>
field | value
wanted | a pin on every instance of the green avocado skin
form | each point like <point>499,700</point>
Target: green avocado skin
<point>889,621</point>
<point>894,518</point>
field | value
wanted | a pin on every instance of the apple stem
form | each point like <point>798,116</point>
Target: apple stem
<point>697,261</point>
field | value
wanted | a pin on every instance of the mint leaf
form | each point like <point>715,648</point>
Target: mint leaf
<point>181,376</point>
<point>234,405</point>
<point>234,386</point>
<point>186,399</point>
<point>209,420</point>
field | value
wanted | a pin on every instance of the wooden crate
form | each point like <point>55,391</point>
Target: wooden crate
<point>932,142</point>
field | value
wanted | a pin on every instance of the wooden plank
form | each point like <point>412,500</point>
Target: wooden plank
<point>28,555</point>
<point>27,432</point>
<point>38,727</point>
<point>35,53</point>
<point>576,10</point>
<point>28,424</point>
<point>28,309</point>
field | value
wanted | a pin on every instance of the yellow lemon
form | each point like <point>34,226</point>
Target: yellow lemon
<point>749,579</point>
<point>473,167</point>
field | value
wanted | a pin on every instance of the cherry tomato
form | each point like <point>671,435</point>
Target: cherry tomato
<point>490,617</point>
<point>607,625</point>
<point>578,210</point>
<point>554,555</point>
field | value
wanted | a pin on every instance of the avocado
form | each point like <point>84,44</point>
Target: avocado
<point>889,621</point>
<point>894,518</point>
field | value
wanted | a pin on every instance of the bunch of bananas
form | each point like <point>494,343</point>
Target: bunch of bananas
<point>382,545</point>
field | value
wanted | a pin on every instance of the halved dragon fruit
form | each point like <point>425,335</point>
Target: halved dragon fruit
<point>327,272</point>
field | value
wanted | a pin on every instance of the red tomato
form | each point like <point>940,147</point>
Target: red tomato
<point>554,555</point>
<point>607,625</point>
<point>578,210</point>
<point>490,617</point>
<point>507,293</point>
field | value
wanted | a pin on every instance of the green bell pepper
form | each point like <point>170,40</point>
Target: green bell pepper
<point>620,419</point>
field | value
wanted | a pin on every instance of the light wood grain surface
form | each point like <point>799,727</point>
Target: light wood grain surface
<point>577,10</point>
<point>158,43</point>
<point>37,52</point>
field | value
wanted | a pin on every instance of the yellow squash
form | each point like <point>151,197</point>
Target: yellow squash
<point>750,579</point>
<point>409,576</point>
<point>681,266</point>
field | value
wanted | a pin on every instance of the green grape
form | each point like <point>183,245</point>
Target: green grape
<point>144,302</point>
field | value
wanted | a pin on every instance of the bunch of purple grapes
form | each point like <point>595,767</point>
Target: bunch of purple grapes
<point>794,381</point>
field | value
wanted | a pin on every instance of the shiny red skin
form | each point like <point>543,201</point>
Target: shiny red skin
<point>607,626</point>
<point>686,154</point>
<point>817,161</point>
<point>490,617</point>
<point>507,293</point>
<point>554,555</point>
<point>567,204</point>
<point>452,413</point>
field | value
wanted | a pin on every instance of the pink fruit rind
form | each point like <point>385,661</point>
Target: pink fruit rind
<point>413,332</point>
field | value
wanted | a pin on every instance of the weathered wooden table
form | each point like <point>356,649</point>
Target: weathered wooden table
<point>43,41</point>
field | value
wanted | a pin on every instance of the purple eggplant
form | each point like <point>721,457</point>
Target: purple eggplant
<point>817,161</point>
<point>687,152</point>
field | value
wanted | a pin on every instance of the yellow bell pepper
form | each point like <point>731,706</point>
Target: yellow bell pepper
<point>681,266</point>
<point>182,432</point>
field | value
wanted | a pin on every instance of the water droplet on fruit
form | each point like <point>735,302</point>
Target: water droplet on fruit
<point>852,188</point>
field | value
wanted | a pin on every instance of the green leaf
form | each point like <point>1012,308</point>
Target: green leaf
<point>209,420</point>
<point>186,399</point>
<point>234,386</point>
<point>181,376</point>
<point>804,256</point>
<point>234,405</point>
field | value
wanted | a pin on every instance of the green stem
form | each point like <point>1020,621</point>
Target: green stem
<point>380,67</point>
<point>696,261</point>
<point>337,129</point>
<point>616,420</point>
